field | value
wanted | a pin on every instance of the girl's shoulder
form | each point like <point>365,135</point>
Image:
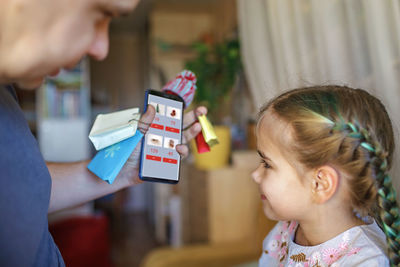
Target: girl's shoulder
<point>371,245</point>
<point>359,246</point>
<point>280,235</point>
<point>276,244</point>
<point>363,245</point>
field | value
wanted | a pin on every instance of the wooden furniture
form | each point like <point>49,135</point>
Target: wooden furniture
<point>223,222</point>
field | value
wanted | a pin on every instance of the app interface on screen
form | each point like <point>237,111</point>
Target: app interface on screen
<point>160,158</point>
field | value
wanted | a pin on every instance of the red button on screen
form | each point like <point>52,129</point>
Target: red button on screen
<point>157,126</point>
<point>170,129</point>
<point>167,160</point>
<point>150,157</point>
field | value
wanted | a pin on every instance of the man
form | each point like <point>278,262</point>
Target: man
<point>38,38</point>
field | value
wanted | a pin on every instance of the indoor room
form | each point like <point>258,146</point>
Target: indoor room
<point>236,57</point>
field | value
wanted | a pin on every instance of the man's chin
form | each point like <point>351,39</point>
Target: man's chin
<point>30,84</point>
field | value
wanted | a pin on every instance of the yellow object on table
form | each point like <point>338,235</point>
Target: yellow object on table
<point>208,131</point>
<point>219,155</point>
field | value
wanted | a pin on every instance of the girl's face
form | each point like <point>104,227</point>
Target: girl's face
<point>284,194</point>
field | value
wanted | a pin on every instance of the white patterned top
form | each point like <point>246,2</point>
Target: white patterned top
<point>363,245</point>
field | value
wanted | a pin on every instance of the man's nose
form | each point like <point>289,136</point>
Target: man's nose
<point>99,47</point>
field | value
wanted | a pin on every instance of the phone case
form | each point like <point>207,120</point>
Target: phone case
<point>159,179</point>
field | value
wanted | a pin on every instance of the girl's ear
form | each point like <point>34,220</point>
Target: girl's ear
<point>324,183</point>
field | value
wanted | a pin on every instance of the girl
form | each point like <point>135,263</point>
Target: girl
<point>325,156</point>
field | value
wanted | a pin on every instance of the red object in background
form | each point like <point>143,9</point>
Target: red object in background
<point>202,146</point>
<point>184,86</point>
<point>83,241</point>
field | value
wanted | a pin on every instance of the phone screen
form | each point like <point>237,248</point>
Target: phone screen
<point>159,159</point>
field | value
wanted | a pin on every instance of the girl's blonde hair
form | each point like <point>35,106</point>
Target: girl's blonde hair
<point>351,130</point>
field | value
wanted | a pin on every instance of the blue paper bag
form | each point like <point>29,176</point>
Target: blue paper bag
<point>109,161</point>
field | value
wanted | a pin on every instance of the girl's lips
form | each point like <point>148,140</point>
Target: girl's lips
<point>263,197</point>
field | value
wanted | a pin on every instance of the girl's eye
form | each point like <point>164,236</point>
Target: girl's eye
<point>266,165</point>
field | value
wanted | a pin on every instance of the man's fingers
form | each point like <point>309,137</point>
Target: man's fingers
<point>191,117</point>
<point>146,119</point>
<point>183,150</point>
<point>191,133</point>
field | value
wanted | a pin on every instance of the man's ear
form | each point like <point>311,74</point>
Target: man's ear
<point>324,183</point>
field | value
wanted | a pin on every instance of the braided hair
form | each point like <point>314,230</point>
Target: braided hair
<point>350,129</point>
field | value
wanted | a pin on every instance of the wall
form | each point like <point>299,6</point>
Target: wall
<point>123,75</point>
<point>120,80</point>
<point>174,25</point>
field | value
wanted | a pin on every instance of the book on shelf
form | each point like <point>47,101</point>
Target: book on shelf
<point>64,103</point>
<point>63,114</point>
<point>66,95</point>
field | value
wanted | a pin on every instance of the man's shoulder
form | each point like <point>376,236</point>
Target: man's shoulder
<point>9,106</point>
<point>25,185</point>
<point>8,90</point>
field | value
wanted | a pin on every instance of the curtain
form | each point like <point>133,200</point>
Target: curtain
<point>294,43</point>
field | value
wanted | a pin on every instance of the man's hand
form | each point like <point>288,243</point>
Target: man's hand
<point>190,120</point>
<point>130,170</point>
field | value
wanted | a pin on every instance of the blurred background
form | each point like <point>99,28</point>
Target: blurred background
<point>243,52</point>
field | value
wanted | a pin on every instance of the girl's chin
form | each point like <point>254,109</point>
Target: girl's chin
<point>270,214</point>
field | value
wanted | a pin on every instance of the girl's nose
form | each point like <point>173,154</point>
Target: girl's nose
<point>99,47</point>
<point>256,175</point>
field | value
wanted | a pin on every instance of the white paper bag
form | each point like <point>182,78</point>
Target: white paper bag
<point>111,128</point>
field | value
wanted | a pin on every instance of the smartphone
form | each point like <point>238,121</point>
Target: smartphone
<point>159,160</point>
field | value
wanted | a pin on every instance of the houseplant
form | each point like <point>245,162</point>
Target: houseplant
<point>216,67</point>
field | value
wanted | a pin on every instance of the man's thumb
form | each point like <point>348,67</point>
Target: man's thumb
<point>146,119</point>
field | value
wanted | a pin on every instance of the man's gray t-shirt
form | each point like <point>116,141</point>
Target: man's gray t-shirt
<point>25,185</point>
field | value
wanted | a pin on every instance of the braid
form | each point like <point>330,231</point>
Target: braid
<point>387,208</point>
<point>350,129</point>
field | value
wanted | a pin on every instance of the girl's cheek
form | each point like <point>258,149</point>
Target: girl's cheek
<point>264,183</point>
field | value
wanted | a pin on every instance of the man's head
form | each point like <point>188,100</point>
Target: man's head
<point>38,37</point>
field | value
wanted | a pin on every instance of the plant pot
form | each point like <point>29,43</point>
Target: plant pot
<point>218,157</point>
